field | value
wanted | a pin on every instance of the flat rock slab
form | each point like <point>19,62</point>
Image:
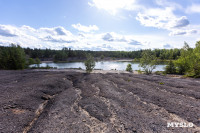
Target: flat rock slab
<point>70,101</point>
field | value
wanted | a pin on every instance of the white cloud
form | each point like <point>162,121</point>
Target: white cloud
<point>162,19</point>
<point>56,34</point>
<point>55,31</point>
<point>134,42</point>
<point>194,8</point>
<point>116,38</point>
<point>54,39</point>
<point>156,17</point>
<point>180,22</point>
<point>27,36</point>
<point>27,28</point>
<point>58,39</point>
<point>61,31</point>
<point>8,31</point>
<point>177,32</point>
<point>182,32</point>
<point>108,37</point>
<point>112,6</point>
<point>85,28</point>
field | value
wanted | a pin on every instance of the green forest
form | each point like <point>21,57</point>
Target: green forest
<point>181,61</point>
<point>62,55</point>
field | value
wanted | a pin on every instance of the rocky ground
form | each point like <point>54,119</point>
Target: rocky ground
<point>76,102</point>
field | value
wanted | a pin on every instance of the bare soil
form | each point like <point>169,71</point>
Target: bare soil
<point>76,102</point>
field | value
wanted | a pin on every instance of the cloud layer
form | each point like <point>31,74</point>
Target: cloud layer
<point>83,28</point>
<point>59,37</point>
<point>8,31</point>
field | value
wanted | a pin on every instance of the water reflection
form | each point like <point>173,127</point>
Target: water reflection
<point>104,65</point>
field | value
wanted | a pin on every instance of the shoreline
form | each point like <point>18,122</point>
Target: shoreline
<point>119,60</point>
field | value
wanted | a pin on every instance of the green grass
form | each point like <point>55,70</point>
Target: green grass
<point>161,83</point>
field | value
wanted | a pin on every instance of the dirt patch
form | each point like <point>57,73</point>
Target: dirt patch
<point>18,111</point>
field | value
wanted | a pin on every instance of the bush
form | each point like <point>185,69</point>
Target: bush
<point>12,58</point>
<point>129,68</point>
<point>89,63</point>
<point>183,63</point>
<point>31,61</point>
<point>158,72</point>
<point>136,60</point>
<point>181,66</point>
<point>139,71</point>
<point>37,61</point>
<point>170,68</point>
<point>148,61</point>
<point>102,57</point>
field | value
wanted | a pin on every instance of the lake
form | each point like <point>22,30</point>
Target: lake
<point>104,65</point>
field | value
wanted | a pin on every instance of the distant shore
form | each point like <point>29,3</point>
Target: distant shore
<point>81,60</point>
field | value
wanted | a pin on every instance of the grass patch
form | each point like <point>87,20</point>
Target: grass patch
<point>161,83</point>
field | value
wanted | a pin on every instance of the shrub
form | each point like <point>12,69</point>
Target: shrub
<point>89,63</point>
<point>37,61</point>
<point>136,60</point>
<point>139,71</point>
<point>158,72</point>
<point>148,61</point>
<point>31,61</point>
<point>129,68</point>
<point>170,68</point>
<point>102,57</point>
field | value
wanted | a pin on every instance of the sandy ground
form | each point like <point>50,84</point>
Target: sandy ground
<point>71,101</point>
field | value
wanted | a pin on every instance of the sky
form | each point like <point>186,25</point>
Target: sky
<point>100,25</point>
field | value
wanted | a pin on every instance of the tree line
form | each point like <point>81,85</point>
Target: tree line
<point>62,55</point>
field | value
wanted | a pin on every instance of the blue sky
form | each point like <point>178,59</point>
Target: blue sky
<point>100,24</point>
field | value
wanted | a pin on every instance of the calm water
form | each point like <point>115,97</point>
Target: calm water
<point>104,65</point>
